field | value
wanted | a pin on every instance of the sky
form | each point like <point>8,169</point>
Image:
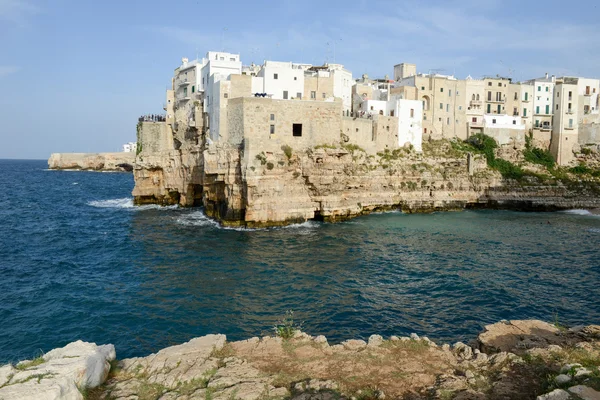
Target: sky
<point>76,74</point>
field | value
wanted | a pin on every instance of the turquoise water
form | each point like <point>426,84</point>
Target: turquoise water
<point>78,261</point>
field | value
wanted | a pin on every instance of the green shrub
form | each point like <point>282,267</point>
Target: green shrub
<point>287,151</point>
<point>286,327</point>
<point>538,156</point>
<point>586,151</point>
<point>580,169</point>
<point>507,169</point>
<point>270,166</point>
<point>262,158</point>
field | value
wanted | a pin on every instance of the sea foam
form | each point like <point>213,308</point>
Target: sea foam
<point>199,218</point>
<point>127,203</point>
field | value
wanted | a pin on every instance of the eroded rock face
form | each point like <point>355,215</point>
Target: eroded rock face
<point>60,374</point>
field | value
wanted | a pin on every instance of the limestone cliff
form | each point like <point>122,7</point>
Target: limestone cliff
<point>257,183</point>
<point>92,161</point>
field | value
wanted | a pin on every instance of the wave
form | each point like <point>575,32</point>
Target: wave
<point>582,212</point>
<point>127,203</point>
<point>198,218</point>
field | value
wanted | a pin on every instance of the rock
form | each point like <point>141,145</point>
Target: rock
<point>375,341</point>
<point>181,363</point>
<point>414,336</point>
<point>516,335</point>
<point>557,394</point>
<point>562,379</point>
<point>62,372</point>
<point>315,385</point>
<point>320,340</point>
<point>394,338</point>
<point>469,374</point>
<point>354,344</point>
<point>463,351</point>
<point>585,393</point>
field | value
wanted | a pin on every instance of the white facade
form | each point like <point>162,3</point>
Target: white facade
<point>589,90</point>
<point>502,121</point>
<point>129,147</point>
<point>543,99</point>
<point>281,80</point>
<point>342,85</point>
<point>409,114</point>
<point>410,117</point>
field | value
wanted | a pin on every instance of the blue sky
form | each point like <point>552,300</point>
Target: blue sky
<point>76,74</point>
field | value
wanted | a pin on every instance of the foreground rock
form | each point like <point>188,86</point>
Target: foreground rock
<point>92,161</point>
<point>64,373</point>
<point>503,364</point>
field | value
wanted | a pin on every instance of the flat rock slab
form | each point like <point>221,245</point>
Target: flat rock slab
<point>59,374</point>
<point>517,336</point>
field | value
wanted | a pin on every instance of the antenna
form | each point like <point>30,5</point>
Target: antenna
<point>223,39</point>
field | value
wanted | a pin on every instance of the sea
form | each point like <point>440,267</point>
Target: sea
<point>79,261</point>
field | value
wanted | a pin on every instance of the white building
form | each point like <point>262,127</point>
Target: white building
<point>409,114</point>
<point>543,101</point>
<point>505,129</point>
<point>129,147</point>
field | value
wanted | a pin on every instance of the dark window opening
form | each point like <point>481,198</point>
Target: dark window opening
<point>272,131</point>
<point>297,129</point>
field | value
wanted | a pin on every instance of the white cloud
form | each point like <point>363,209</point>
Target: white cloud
<point>17,12</point>
<point>7,70</point>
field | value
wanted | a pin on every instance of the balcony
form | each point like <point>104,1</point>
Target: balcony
<point>569,111</point>
<point>497,101</point>
<point>184,83</point>
<point>544,127</point>
<point>476,124</point>
<point>475,103</point>
<point>525,100</point>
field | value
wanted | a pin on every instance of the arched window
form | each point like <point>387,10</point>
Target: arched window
<point>426,103</point>
<point>477,97</point>
<point>473,97</point>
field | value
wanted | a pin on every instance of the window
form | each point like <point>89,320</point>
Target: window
<point>514,122</point>
<point>570,95</point>
<point>226,95</point>
<point>489,83</point>
<point>222,58</point>
<point>387,128</point>
<point>232,59</point>
<point>477,97</point>
<point>272,117</point>
<point>516,96</point>
<point>208,99</point>
<point>473,97</point>
<point>459,108</point>
<point>457,92</point>
<point>498,96</point>
<point>324,95</point>
<point>441,90</point>
<point>526,95</point>
<point>570,123</point>
<point>499,84</point>
<point>537,109</point>
<point>441,106</point>
<point>298,95</point>
<point>524,112</point>
<point>547,109</point>
<point>447,107</point>
<point>275,76</point>
<point>557,107</point>
<point>285,94</point>
<point>313,95</point>
<point>272,129</point>
<point>412,112</point>
<point>557,93</point>
<point>203,80</point>
<point>474,119</point>
<point>184,92</point>
<point>493,121</point>
<point>447,121</point>
<point>515,111</point>
<point>449,93</point>
<point>425,130</point>
<point>539,88</point>
<point>537,123</point>
<point>422,87</point>
<point>295,78</point>
<point>193,88</point>
<point>424,117</point>
<point>489,96</point>
<point>489,108</point>
<point>499,109</point>
<point>569,106</point>
<point>547,88</point>
<point>297,130</point>
<point>392,113</point>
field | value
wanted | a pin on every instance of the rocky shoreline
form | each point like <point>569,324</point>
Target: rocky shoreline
<point>521,359</point>
<point>113,162</point>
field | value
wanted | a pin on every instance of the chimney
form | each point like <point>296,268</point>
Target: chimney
<point>546,75</point>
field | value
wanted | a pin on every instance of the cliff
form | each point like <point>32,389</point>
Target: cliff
<point>267,182</point>
<point>509,360</point>
<point>92,161</point>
